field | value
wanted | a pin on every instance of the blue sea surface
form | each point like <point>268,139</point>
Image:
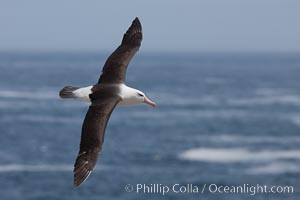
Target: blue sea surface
<point>223,119</point>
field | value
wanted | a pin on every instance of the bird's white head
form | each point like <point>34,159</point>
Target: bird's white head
<point>132,96</point>
<point>142,98</point>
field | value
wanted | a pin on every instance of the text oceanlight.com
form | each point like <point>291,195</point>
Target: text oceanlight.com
<point>208,188</point>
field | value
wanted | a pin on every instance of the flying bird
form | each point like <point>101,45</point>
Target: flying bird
<point>109,92</point>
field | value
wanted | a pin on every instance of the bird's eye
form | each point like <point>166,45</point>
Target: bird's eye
<point>140,94</point>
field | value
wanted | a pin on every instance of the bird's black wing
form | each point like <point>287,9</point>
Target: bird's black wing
<point>92,136</point>
<point>114,70</point>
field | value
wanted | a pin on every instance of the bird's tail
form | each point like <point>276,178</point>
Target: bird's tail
<point>67,92</point>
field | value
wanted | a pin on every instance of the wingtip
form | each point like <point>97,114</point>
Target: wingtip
<point>137,22</point>
<point>133,35</point>
<point>82,168</point>
<point>80,179</point>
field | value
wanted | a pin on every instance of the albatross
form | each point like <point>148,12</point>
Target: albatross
<point>109,92</point>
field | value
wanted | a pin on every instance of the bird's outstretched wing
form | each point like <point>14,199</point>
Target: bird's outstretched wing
<point>92,136</point>
<point>114,70</point>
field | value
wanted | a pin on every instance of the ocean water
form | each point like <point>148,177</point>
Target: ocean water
<point>222,120</point>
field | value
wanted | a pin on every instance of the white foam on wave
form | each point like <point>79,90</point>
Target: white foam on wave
<point>20,104</point>
<point>40,118</point>
<point>266,100</point>
<point>268,96</point>
<point>40,168</point>
<point>34,168</point>
<point>253,139</point>
<point>274,168</point>
<point>226,155</point>
<point>43,94</point>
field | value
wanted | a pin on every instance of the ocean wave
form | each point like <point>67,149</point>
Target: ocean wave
<point>268,96</point>
<point>40,168</point>
<point>214,80</point>
<point>295,120</point>
<point>34,168</point>
<point>169,99</point>
<point>56,104</point>
<point>266,100</point>
<point>40,118</point>
<point>259,97</point>
<point>43,94</point>
<point>272,91</point>
<point>274,168</point>
<point>229,155</point>
<point>254,139</point>
<point>187,114</point>
<point>233,139</point>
